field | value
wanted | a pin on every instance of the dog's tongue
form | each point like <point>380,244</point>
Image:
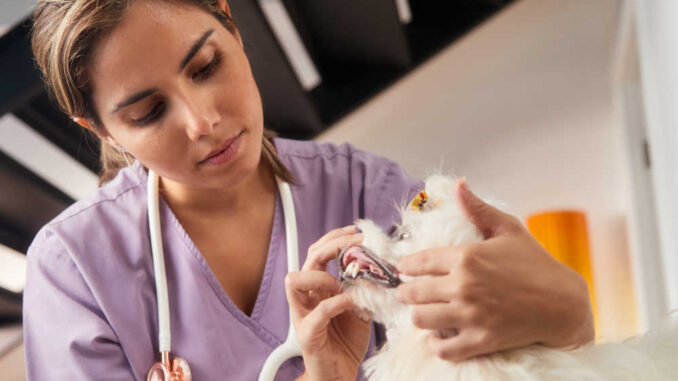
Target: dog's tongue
<point>358,261</point>
<point>355,260</point>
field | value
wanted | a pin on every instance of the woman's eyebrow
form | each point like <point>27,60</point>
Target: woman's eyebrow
<point>134,98</point>
<point>194,49</point>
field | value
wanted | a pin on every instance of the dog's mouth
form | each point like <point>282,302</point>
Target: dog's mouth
<point>360,262</point>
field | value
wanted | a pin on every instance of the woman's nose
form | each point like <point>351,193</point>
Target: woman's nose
<point>200,117</point>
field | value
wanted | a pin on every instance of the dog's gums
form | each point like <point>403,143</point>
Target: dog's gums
<point>359,262</point>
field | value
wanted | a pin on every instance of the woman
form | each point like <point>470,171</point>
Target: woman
<point>167,84</point>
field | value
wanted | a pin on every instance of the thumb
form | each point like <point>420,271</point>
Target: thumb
<point>488,219</point>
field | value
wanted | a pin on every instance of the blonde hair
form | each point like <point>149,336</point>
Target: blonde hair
<point>65,34</point>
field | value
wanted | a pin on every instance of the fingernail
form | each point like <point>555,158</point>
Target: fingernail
<point>463,184</point>
<point>350,228</point>
<point>468,194</point>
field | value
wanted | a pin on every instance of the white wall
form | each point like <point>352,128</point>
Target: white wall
<point>646,258</point>
<point>523,108</point>
<point>657,39</point>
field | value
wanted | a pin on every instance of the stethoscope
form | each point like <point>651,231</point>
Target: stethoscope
<point>171,368</point>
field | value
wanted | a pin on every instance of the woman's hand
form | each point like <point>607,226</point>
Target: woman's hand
<point>502,293</point>
<point>333,339</point>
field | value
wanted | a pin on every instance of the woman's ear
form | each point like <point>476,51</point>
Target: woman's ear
<point>223,5</point>
<point>86,124</point>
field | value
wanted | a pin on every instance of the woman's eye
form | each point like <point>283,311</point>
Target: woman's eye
<point>208,69</point>
<point>155,113</point>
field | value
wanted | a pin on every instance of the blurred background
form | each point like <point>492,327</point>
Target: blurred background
<point>557,108</point>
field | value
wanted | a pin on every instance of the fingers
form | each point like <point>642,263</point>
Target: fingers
<point>425,290</point>
<point>320,317</point>
<point>437,261</point>
<point>305,289</point>
<point>325,250</point>
<point>488,219</point>
<point>468,343</point>
<point>437,316</point>
<point>334,234</point>
<point>313,280</point>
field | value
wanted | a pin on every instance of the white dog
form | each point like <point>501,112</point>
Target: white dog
<point>433,220</point>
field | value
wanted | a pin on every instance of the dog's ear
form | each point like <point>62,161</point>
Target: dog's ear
<point>439,188</point>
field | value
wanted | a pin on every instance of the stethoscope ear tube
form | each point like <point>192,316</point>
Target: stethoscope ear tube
<point>164,338</point>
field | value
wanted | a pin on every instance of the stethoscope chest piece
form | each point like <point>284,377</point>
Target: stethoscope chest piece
<point>175,370</point>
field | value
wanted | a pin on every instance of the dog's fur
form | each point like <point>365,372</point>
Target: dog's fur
<point>405,356</point>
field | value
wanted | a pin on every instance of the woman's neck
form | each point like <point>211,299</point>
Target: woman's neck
<point>234,201</point>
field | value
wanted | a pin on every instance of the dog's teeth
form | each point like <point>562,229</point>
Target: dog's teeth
<point>356,270</point>
<point>350,269</point>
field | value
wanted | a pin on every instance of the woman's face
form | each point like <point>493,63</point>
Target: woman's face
<point>171,85</point>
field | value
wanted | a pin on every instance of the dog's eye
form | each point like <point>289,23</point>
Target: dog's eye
<point>399,233</point>
<point>404,235</point>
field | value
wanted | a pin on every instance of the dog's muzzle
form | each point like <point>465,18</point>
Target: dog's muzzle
<point>360,262</point>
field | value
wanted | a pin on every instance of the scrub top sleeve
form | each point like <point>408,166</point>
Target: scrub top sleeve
<point>66,335</point>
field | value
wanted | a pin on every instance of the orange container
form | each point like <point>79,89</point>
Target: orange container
<point>564,234</point>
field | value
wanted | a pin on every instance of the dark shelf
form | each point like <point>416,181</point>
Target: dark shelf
<point>10,306</point>
<point>19,79</point>
<point>351,31</point>
<point>27,202</point>
<point>287,107</point>
<point>349,87</point>
<point>45,118</point>
<point>437,23</point>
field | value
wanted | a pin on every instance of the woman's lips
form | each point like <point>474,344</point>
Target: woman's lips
<point>224,154</point>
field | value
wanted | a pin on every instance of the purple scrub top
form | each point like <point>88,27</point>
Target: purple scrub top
<point>90,306</point>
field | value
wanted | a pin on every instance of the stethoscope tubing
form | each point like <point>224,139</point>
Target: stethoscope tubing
<point>290,348</point>
<point>164,335</point>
